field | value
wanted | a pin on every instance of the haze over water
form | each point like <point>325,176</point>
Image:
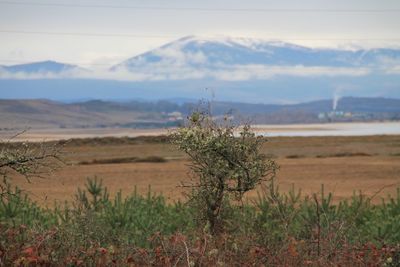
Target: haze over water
<point>332,129</point>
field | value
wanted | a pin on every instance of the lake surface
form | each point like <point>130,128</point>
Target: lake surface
<point>330,129</point>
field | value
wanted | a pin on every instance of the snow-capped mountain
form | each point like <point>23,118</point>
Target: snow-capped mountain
<point>236,69</point>
<point>226,52</point>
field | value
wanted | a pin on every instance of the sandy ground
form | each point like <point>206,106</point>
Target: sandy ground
<point>341,176</point>
<point>305,163</point>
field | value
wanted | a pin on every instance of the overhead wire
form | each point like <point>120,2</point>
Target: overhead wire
<point>157,36</point>
<point>165,8</point>
<point>144,36</point>
<point>87,34</point>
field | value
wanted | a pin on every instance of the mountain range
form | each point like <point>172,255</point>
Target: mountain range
<point>229,69</point>
<point>40,67</point>
<point>218,53</point>
<point>41,113</point>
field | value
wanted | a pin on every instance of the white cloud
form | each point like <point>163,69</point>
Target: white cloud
<point>260,72</point>
<point>389,65</point>
<point>393,70</point>
<point>175,55</point>
<point>164,70</point>
<point>73,73</point>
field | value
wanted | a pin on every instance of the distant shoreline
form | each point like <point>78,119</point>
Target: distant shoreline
<point>272,130</point>
<point>330,129</point>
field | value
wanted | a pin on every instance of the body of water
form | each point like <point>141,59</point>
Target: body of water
<point>330,129</point>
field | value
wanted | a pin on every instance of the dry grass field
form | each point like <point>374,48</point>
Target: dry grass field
<point>343,164</point>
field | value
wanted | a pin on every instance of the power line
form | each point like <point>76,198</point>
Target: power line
<point>144,36</point>
<point>88,34</point>
<point>204,9</point>
<point>18,62</point>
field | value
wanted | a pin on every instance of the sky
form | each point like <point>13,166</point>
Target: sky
<point>102,33</point>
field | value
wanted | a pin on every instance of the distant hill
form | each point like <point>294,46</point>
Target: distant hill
<point>19,114</point>
<point>348,104</point>
<point>347,109</point>
<point>40,67</point>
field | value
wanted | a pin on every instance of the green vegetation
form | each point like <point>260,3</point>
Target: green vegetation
<point>277,229</point>
<point>225,167</point>
<point>345,154</point>
<point>214,227</point>
<point>153,159</point>
<point>294,156</point>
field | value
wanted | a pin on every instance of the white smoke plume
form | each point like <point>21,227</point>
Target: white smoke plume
<point>336,98</point>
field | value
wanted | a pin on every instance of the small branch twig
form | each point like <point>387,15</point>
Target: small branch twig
<point>187,253</point>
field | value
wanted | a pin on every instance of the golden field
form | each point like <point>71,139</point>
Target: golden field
<point>343,164</point>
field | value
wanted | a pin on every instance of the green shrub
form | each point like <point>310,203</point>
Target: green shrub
<point>225,166</point>
<point>277,230</point>
<point>152,159</point>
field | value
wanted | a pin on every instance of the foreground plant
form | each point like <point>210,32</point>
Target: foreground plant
<point>27,159</point>
<point>278,229</point>
<point>225,166</point>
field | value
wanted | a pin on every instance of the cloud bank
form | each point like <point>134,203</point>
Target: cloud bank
<point>167,71</point>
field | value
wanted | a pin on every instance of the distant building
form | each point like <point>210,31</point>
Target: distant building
<point>175,116</point>
<point>334,114</point>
